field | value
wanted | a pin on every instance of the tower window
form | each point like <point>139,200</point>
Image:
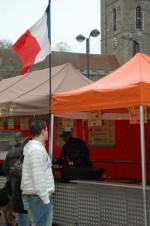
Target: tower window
<point>114,20</point>
<point>139,17</point>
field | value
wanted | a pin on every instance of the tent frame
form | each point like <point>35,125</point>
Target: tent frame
<point>142,133</point>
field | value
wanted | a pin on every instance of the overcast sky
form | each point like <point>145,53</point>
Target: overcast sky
<point>68,19</point>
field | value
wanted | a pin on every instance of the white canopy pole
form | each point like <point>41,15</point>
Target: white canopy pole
<point>143,162</point>
<point>51,132</point>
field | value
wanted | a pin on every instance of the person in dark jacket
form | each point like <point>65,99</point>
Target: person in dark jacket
<point>74,158</point>
<point>13,155</point>
<point>75,151</point>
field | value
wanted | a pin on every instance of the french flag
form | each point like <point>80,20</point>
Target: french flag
<point>35,44</point>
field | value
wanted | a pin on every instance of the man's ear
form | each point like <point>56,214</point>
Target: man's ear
<point>42,131</point>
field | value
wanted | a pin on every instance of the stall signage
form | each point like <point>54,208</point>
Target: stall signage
<point>24,123</point>
<point>2,109</point>
<point>134,113</point>
<point>67,123</point>
<point>11,109</point>
<point>94,118</point>
<point>10,122</point>
<point>102,136</point>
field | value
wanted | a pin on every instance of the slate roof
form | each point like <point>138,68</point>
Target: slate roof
<point>10,64</point>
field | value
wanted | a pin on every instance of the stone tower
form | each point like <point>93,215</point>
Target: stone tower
<point>125,28</point>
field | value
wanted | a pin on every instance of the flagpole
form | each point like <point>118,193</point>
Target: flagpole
<point>51,119</point>
<point>49,36</point>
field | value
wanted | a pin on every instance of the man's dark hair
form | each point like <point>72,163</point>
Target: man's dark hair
<point>19,136</point>
<point>36,127</point>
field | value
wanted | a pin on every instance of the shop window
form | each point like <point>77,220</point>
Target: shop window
<point>139,17</point>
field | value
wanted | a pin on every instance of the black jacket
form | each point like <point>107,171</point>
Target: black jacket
<point>75,150</point>
<point>13,155</point>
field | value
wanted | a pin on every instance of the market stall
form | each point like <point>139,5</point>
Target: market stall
<point>114,95</point>
<point>22,98</point>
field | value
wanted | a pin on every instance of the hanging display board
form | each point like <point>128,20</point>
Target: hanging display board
<point>94,118</point>
<point>134,113</point>
<point>24,124</point>
<point>102,136</point>
<point>67,123</point>
<point>10,122</point>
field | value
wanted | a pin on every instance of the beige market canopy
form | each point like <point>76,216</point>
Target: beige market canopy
<point>30,94</point>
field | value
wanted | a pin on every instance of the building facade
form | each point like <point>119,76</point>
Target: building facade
<point>100,66</point>
<point>125,28</point>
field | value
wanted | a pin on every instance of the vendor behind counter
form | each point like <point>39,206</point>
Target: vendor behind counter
<point>74,152</point>
<point>73,161</point>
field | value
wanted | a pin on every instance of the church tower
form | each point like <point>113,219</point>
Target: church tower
<point>125,28</point>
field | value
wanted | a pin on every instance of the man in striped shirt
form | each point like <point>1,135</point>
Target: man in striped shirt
<point>37,179</point>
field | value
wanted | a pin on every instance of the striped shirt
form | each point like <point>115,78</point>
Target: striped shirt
<point>37,177</point>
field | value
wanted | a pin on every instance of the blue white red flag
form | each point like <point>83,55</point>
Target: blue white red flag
<point>35,44</point>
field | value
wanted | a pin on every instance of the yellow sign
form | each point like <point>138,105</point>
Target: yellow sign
<point>2,109</point>
<point>134,113</point>
<point>10,122</point>
<point>67,123</point>
<point>11,109</point>
<point>102,136</point>
<point>94,118</point>
<point>24,124</point>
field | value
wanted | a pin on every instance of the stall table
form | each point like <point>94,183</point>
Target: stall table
<point>98,203</point>
<point>88,203</point>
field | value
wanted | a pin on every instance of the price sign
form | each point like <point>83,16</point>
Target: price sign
<point>94,118</point>
<point>134,113</point>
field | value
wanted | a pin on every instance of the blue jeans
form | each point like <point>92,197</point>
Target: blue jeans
<point>40,214</point>
<point>23,219</point>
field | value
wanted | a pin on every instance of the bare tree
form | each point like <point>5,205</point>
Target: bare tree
<point>62,47</point>
<point>5,44</point>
